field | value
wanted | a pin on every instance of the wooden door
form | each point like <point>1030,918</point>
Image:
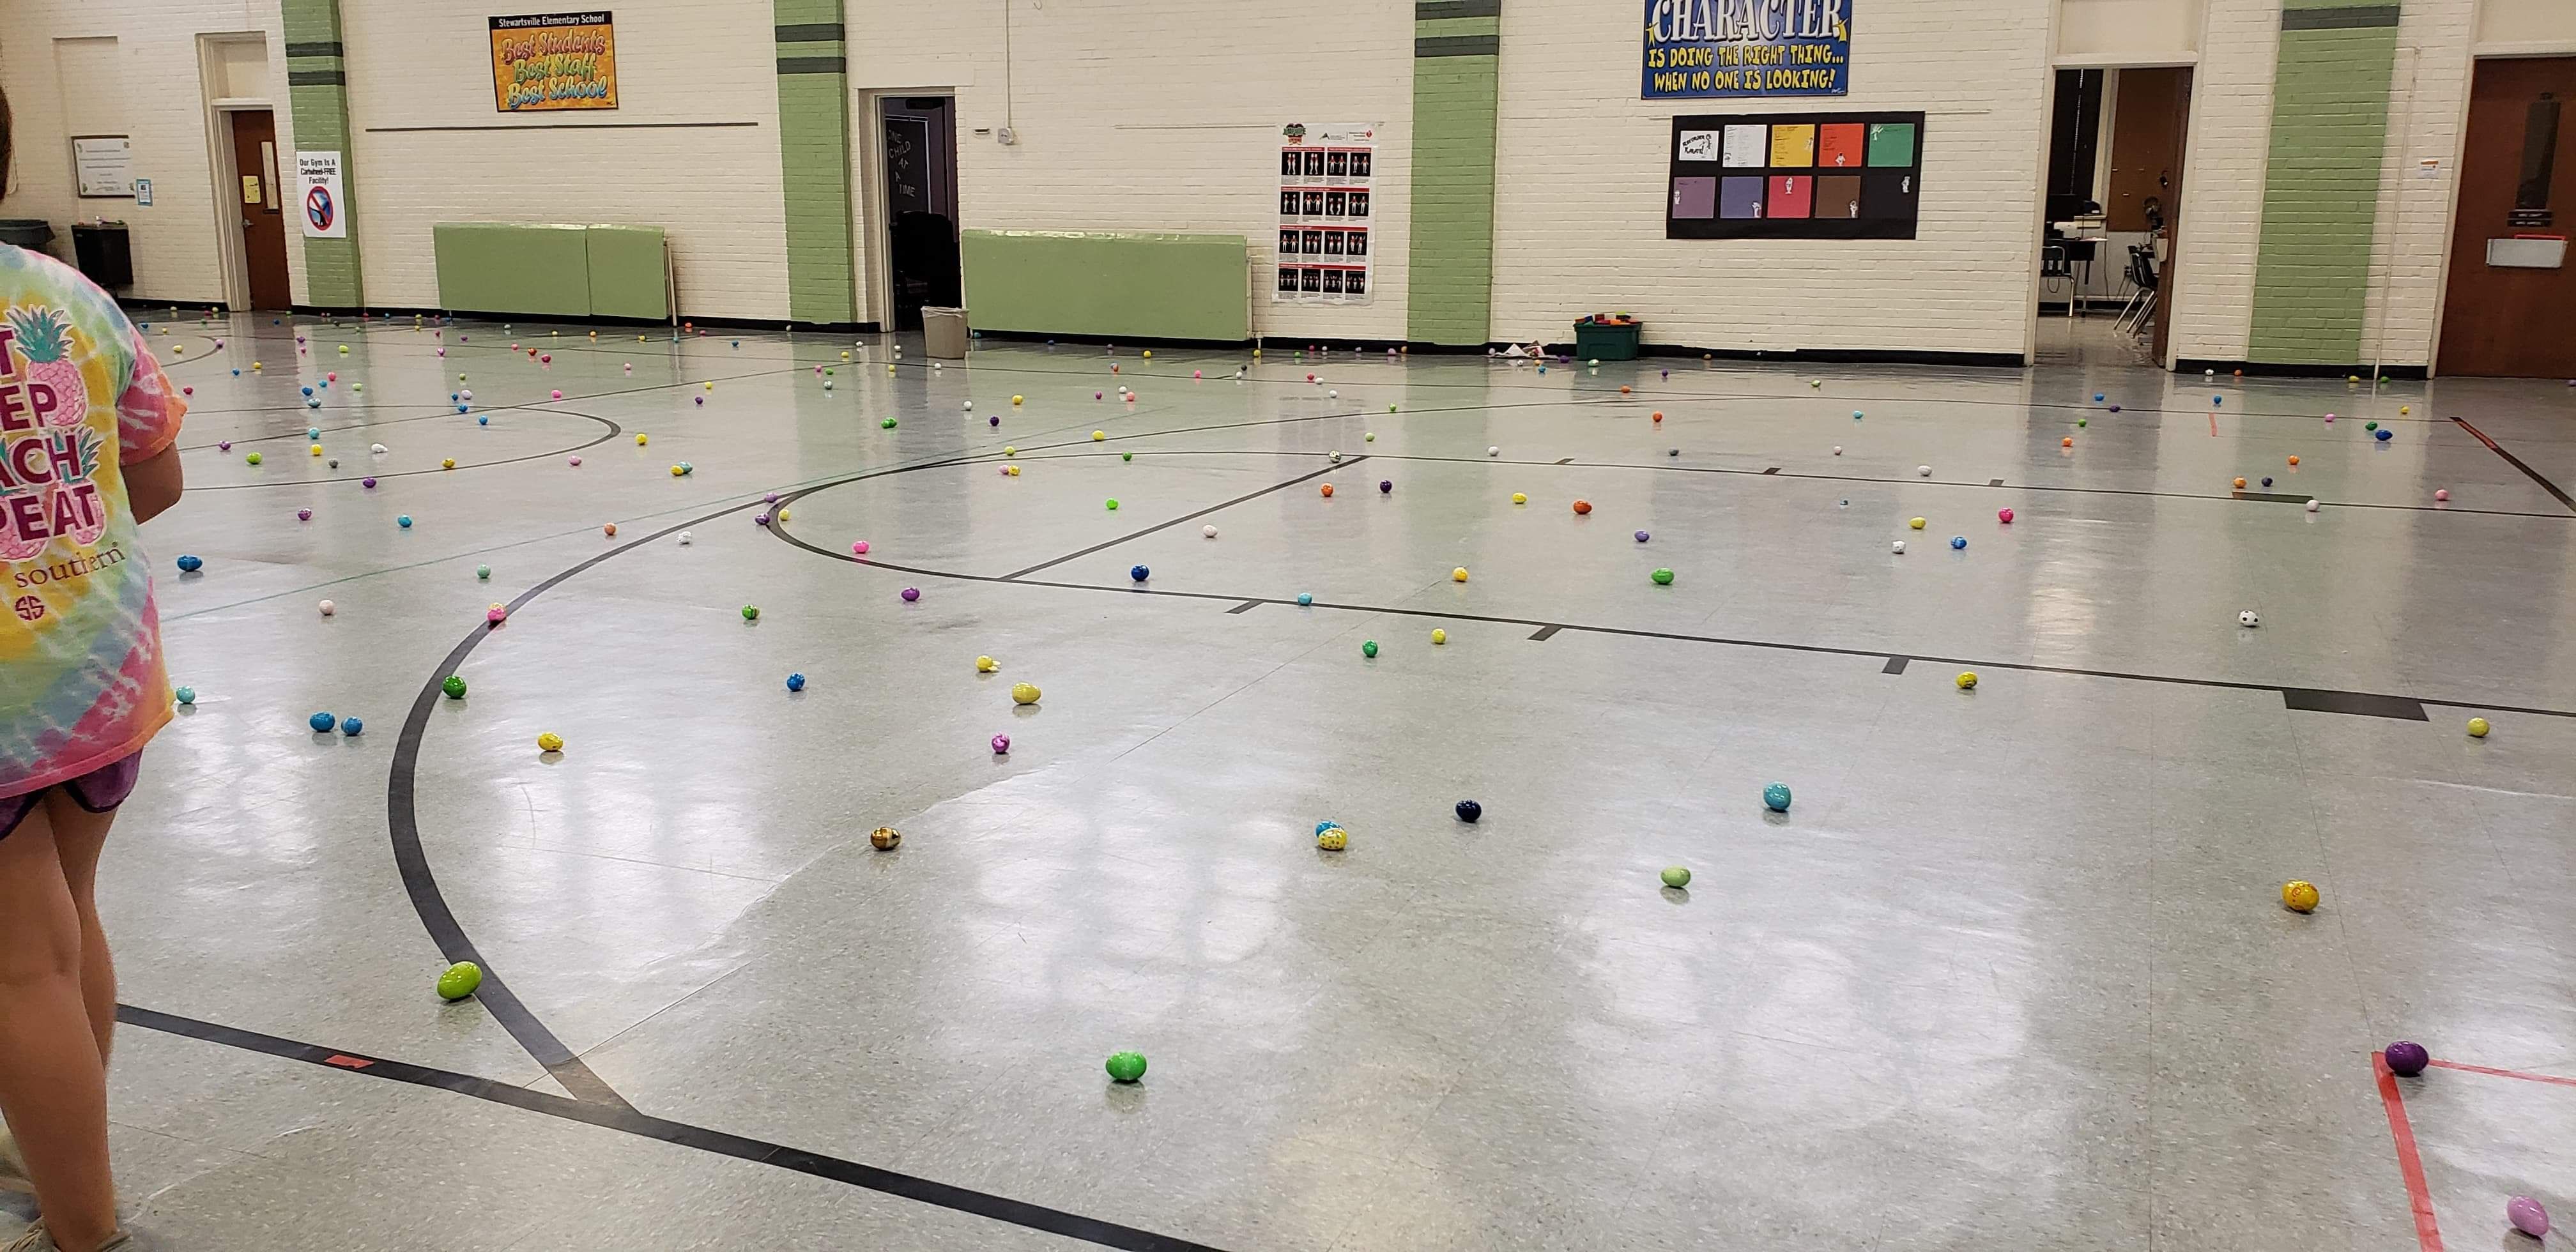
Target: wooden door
<point>259,199</point>
<point>2517,177</point>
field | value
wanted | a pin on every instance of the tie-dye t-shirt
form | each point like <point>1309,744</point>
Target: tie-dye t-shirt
<point>81,680</point>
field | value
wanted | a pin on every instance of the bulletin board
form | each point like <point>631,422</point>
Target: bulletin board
<point>1795,176</point>
<point>544,61</point>
<point>1327,175</point>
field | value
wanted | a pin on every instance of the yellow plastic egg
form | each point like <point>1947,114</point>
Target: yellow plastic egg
<point>1439,636</point>
<point>1458,575</point>
<point>1017,399</point>
<point>1518,498</point>
<point>2299,896</point>
<point>447,463</point>
<point>1024,693</point>
<point>1098,435</point>
<point>639,441</point>
<point>550,742</point>
<point>2477,728</point>
<point>1968,680</point>
<point>1917,523</point>
<point>1332,839</point>
<point>986,665</point>
<point>317,449</point>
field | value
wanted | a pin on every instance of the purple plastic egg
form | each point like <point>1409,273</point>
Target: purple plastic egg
<point>770,498</point>
<point>224,445</point>
<point>368,483</point>
<point>911,594</point>
<point>1385,486</point>
<point>2406,1059</point>
<point>304,515</point>
<point>995,419</point>
<point>2527,1216</point>
<point>2115,408</point>
<point>702,400</point>
<point>761,519</point>
<point>1641,536</point>
<point>1001,745</point>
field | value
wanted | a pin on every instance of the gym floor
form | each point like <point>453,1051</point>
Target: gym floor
<point>2011,972</point>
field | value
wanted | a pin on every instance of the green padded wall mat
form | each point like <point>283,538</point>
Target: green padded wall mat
<point>626,274</point>
<point>1142,286</point>
<point>499,267</point>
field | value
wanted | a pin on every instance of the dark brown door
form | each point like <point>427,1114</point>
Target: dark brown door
<point>2517,178</point>
<point>260,200</point>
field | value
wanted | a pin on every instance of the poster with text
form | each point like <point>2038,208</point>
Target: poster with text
<point>1326,177</point>
<point>324,206</point>
<point>1737,49</point>
<point>544,61</point>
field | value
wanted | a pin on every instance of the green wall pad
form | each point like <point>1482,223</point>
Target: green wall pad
<point>551,270</point>
<point>627,273</point>
<point>1126,286</point>
<point>2321,190</point>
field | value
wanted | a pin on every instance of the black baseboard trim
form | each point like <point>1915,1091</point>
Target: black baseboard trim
<point>2279,369</point>
<point>383,312</point>
<point>1823,356</point>
<point>135,307</point>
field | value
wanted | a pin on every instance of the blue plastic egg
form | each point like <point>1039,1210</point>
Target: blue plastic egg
<point>1958,542</point>
<point>1776,797</point>
<point>321,721</point>
<point>403,521</point>
<point>1139,573</point>
<point>189,564</point>
<point>795,682</point>
<point>351,726</point>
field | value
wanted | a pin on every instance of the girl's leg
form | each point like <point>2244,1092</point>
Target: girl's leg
<point>78,836</point>
<point>53,1087</point>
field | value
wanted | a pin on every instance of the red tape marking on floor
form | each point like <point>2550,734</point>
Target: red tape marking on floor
<point>2410,1165</point>
<point>347,1062</point>
<point>2552,1079</point>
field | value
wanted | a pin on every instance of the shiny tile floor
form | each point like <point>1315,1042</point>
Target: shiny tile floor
<point>2010,973</point>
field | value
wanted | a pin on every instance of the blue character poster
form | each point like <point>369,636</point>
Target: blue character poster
<point>1745,48</point>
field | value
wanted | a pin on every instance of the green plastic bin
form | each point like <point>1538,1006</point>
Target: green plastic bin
<point>1605,341</point>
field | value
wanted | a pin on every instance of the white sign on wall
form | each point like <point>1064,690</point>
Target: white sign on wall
<point>324,206</point>
<point>1327,175</point>
<point>103,166</point>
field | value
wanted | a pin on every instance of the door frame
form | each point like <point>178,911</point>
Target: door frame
<point>874,230</point>
<point>229,257</point>
<point>2451,204</point>
<point>2186,61</point>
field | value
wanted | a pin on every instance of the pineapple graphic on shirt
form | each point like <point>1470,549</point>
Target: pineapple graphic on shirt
<point>45,340</point>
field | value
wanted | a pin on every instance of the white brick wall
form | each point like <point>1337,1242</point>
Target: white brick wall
<point>1582,183</point>
<point>715,190</point>
<point>2428,113</point>
<point>159,100</point>
<point>1152,115</point>
<point>2229,149</point>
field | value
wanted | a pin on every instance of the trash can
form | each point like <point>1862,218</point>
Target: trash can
<point>943,333</point>
<point>105,253</point>
<point>1607,337</point>
<point>26,232</point>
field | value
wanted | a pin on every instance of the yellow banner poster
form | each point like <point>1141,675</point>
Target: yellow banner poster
<point>554,61</point>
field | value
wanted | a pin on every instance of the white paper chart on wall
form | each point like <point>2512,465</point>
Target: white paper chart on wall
<point>1326,178</point>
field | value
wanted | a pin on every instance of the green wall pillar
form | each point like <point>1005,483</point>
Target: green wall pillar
<point>317,97</point>
<point>814,155</point>
<point>2321,191</point>
<point>1451,269</point>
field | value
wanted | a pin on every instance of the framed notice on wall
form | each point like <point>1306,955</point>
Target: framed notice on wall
<point>1326,177</point>
<point>1795,176</point>
<point>103,167</point>
<point>543,61</point>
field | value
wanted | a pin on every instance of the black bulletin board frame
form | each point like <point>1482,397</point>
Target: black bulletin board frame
<point>1905,200</point>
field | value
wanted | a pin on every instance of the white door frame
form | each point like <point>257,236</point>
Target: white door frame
<point>876,288</point>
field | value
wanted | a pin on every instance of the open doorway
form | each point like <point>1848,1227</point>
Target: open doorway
<point>257,202</point>
<point>2115,160</point>
<point>918,142</point>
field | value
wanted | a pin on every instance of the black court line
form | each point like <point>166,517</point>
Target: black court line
<point>625,1120</point>
<point>1565,460</point>
<point>1550,628</point>
<point>1771,471</point>
<point>2268,497</point>
<point>1994,482</point>
<point>1186,517</point>
<point>613,431</point>
<point>1245,607</point>
<point>2355,703</point>
<point>2517,462</point>
<point>1895,665</point>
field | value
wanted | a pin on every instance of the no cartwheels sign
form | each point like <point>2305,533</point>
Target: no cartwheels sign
<point>325,204</point>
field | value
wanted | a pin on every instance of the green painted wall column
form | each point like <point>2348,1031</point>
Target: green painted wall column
<point>814,155</point>
<point>2321,191</point>
<point>1451,270</point>
<point>317,97</point>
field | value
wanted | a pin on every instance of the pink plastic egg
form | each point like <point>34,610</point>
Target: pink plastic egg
<point>558,395</point>
<point>576,460</point>
<point>2527,1216</point>
<point>1001,745</point>
<point>2442,495</point>
<point>187,391</point>
<point>547,359</point>
<point>494,615</point>
<point>2004,516</point>
<point>860,548</point>
<point>332,377</point>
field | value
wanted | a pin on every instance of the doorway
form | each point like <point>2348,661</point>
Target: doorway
<point>2114,208</point>
<point>918,137</point>
<point>263,221</point>
<point>2504,307</point>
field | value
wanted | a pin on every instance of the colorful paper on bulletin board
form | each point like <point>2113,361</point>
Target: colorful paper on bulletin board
<point>1729,48</point>
<point>546,61</point>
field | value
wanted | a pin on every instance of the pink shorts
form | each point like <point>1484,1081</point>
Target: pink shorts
<point>98,791</point>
